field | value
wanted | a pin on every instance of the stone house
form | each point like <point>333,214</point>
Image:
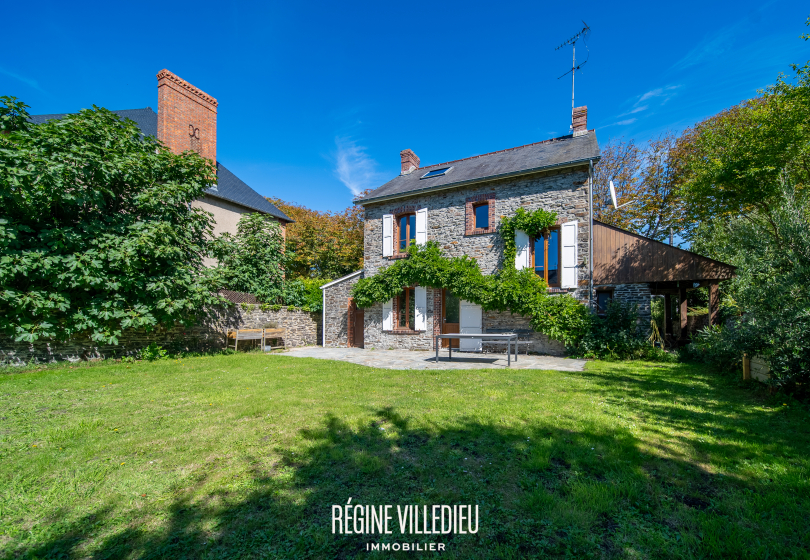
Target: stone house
<point>187,120</point>
<point>459,204</point>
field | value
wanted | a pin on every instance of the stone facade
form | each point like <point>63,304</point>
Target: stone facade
<point>564,192</point>
<point>633,294</point>
<point>376,337</point>
<point>336,312</point>
<point>448,223</point>
<point>303,329</point>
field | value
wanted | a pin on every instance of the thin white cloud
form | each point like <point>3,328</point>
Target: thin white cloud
<point>665,93</point>
<point>627,121</point>
<point>27,81</point>
<point>636,110</point>
<point>354,167</point>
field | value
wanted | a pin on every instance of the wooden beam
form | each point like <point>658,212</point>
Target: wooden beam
<point>684,311</point>
<point>714,303</point>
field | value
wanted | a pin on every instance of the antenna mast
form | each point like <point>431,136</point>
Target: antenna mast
<point>574,67</point>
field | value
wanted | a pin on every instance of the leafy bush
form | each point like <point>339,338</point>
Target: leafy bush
<point>153,352</point>
<point>722,346</point>
<point>304,293</point>
<point>613,336</point>
<point>617,336</point>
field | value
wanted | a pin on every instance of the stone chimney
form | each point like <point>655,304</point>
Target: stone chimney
<point>410,161</point>
<point>187,116</point>
<point>579,121</point>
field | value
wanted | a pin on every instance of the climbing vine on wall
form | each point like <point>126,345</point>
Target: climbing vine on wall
<point>533,223</point>
<point>560,317</point>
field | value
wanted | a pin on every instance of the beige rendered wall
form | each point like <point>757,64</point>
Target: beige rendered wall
<point>226,217</point>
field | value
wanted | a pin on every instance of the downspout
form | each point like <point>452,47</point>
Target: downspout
<point>323,320</point>
<point>590,235</point>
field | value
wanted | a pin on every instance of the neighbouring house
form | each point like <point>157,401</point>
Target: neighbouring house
<point>187,120</point>
<point>459,205</point>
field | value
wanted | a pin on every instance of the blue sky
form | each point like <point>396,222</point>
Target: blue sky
<point>316,100</point>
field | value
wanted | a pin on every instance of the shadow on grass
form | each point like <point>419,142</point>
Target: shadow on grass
<point>542,492</point>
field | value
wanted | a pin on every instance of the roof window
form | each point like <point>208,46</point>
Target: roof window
<point>436,172</point>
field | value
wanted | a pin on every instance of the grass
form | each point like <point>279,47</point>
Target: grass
<point>243,456</point>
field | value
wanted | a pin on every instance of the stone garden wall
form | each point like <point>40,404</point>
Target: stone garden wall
<point>303,329</point>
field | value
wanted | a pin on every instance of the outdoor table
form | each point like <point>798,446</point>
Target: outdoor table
<point>509,337</point>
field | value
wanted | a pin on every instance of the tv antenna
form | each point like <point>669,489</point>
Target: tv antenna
<point>574,66</point>
<point>613,198</point>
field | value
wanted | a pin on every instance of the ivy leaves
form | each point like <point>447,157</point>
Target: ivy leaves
<point>533,223</point>
<point>560,317</point>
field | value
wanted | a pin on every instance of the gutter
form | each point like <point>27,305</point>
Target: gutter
<point>364,201</point>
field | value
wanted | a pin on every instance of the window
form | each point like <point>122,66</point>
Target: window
<point>481,216</point>
<point>603,297</point>
<point>406,310</point>
<point>546,257</point>
<point>406,225</point>
<point>436,172</point>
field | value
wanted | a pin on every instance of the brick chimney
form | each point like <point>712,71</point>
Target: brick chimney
<point>579,121</point>
<point>187,116</point>
<point>410,161</point>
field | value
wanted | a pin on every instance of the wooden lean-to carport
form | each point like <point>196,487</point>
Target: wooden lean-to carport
<point>623,257</point>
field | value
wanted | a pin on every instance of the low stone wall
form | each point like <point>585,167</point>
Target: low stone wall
<point>303,329</point>
<point>540,343</point>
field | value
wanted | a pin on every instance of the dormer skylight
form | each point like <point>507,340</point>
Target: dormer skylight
<point>436,172</point>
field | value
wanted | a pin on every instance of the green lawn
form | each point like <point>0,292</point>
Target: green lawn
<point>243,456</point>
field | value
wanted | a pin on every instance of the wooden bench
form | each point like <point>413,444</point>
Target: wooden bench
<point>255,334</point>
<point>524,337</point>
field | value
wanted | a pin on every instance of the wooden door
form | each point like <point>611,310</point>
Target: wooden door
<point>451,322</point>
<point>355,326</point>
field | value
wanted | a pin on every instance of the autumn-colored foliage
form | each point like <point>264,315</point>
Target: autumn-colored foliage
<point>323,244</point>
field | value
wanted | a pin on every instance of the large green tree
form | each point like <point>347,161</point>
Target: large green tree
<point>733,163</point>
<point>97,231</point>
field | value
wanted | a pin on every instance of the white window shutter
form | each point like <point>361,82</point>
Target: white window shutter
<point>569,255</point>
<point>420,294</point>
<point>421,226</point>
<point>522,250</point>
<point>388,315</point>
<point>388,235</point>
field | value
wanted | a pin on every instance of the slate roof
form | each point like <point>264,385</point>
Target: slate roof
<point>522,160</point>
<point>229,187</point>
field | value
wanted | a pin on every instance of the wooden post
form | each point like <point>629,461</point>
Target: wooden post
<point>746,367</point>
<point>714,302</point>
<point>667,317</point>
<point>684,310</point>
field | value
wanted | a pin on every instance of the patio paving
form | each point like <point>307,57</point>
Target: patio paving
<point>416,359</point>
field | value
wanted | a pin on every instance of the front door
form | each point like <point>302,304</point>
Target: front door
<point>471,323</point>
<point>451,310</point>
